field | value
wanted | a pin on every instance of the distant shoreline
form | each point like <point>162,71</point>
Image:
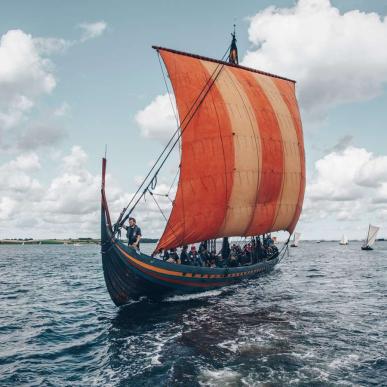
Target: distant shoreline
<point>90,241</point>
<point>79,241</point>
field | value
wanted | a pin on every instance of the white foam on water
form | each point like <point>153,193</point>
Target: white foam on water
<point>193,296</point>
<point>147,349</point>
<point>230,345</point>
<point>224,378</point>
<point>253,347</point>
<point>313,372</point>
<point>344,361</point>
<point>159,342</point>
<point>305,354</point>
<point>155,359</point>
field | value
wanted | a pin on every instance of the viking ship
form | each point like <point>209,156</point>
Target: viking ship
<point>241,174</point>
<point>370,238</point>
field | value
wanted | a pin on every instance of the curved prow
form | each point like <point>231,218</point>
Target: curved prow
<point>106,223</point>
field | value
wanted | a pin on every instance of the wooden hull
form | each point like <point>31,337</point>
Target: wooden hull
<point>130,275</point>
<point>366,248</point>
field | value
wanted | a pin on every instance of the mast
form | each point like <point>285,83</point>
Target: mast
<point>233,56</point>
<point>105,215</point>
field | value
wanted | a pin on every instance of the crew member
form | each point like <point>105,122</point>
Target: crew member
<point>133,233</point>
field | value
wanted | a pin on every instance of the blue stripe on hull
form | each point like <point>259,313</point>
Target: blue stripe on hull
<point>130,275</point>
<point>125,280</point>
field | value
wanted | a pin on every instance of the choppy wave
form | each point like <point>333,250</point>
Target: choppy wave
<point>318,319</point>
<point>193,296</point>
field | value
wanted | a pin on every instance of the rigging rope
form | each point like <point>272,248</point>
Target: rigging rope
<point>153,182</point>
<point>166,195</point>
<point>198,101</point>
<point>170,99</point>
<point>162,213</point>
<point>174,179</point>
<point>285,248</point>
<point>169,93</point>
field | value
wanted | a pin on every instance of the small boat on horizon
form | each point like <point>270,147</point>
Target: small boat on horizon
<point>370,238</point>
<point>296,239</point>
<point>344,240</point>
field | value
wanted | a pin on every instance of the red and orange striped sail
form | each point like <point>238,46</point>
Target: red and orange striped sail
<point>242,166</point>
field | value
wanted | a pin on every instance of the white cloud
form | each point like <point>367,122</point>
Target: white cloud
<point>336,58</point>
<point>373,173</point>
<point>24,75</point>
<point>7,207</point>
<point>24,162</point>
<point>347,185</point>
<point>76,160</point>
<point>92,30</point>
<point>16,179</point>
<point>20,63</point>
<point>74,192</point>
<point>157,120</point>
<point>381,196</point>
<point>26,72</point>
<point>336,173</point>
<point>13,111</point>
<point>47,46</point>
<point>71,199</point>
<point>69,205</point>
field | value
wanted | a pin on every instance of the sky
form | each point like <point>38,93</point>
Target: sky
<point>76,76</point>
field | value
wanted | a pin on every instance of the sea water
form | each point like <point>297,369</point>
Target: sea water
<point>320,318</point>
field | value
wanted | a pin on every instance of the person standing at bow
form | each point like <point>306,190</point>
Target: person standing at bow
<point>133,233</point>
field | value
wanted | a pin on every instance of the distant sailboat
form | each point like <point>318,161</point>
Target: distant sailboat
<point>371,237</point>
<point>318,241</point>
<point>296,239</point>
<point>344,240</point>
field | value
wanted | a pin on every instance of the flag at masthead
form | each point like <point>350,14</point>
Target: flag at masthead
<point>233,56</point>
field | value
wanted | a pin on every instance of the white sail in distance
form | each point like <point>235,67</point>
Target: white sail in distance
<point>296,238</point>
<point>344,240</point>
<point>371,236</point>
